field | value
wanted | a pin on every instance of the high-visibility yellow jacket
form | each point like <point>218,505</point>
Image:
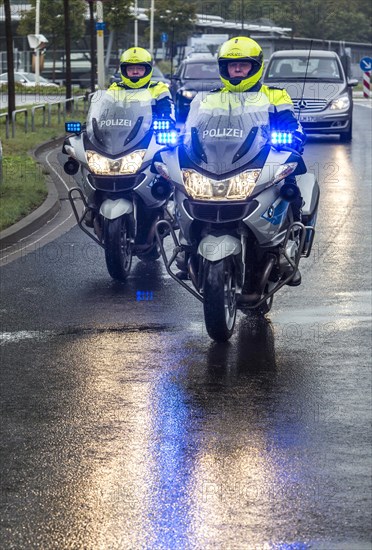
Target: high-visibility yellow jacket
<point>274,101</point>
<point>163,103</point>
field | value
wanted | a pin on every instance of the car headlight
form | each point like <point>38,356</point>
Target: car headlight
<point>342,102</point>
<point>236,188</point>
<point>188,94</point>
<point>103,166</point>
<point>284,170</point>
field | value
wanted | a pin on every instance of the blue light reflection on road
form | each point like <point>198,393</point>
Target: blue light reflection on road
<point>173,459</point>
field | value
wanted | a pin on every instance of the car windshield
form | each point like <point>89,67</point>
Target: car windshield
<point>119,119</point>
<point>222,136</point>
<point>294,68</point>
<point>203,71</point>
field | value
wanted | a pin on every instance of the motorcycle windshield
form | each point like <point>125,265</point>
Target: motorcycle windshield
<point>119,119</point>
<point>225,131</point>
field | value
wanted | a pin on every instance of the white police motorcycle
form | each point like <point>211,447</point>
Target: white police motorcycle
<point>238,238</point>
<point>110,158</point>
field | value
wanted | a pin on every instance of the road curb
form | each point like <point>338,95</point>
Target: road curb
<point>44,213</point>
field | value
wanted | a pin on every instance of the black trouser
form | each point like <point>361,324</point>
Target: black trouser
<point>296,205</point>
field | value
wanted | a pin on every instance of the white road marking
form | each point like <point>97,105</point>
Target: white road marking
<point>11,337</point>
<point>54,170</point>
<point>363,103</point>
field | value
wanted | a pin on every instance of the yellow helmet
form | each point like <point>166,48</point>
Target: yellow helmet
<point>136,56</point>
<point>240,48</point>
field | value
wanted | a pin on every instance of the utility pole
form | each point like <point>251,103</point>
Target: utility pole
<point>10,59</point>
<point>67,51</point>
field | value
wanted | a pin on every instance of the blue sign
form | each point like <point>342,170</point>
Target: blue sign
<point>366,64</point>
<point>164,37</point>
<point>101,26</point>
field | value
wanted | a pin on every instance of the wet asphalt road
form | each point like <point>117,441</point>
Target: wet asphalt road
<point>125,426</point>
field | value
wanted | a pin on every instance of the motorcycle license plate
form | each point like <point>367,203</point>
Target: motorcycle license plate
<point>306,118</point>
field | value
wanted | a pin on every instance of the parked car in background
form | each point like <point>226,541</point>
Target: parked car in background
<point>194,74</point>
<point>27,79</point>
<point>157,76</point>
<point>324,101</point>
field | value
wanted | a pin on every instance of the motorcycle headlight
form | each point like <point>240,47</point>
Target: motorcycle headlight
<point>103,166</point>
<point>284,170</point>
<point>236,188</point>
<point>342,102</point>
<point>189,94</point>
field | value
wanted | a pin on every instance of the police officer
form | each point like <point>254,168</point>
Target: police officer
<point>136,68</point>
<point>240,62</point>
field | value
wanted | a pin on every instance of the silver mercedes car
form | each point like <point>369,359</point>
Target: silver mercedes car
<point>324,100</point>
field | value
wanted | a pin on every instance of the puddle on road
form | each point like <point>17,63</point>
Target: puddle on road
<point>351,308</point>
<point>17,336</point>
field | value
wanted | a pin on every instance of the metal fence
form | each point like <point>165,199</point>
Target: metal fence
<point>47,109</point>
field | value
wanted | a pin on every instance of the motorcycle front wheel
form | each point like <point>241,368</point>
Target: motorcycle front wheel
<point>220,299</point>
<point>118,248</point>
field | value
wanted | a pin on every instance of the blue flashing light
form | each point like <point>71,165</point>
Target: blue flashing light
<point>167,138</point>
<point>163,124</point>
<point>281,138</point>
<point>73,127</point>
<point>144,295</point>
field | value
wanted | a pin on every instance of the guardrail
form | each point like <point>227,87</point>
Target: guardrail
<point>61,105</point>
<point>14,115</point>
<point>6,124</point>
<point>35,108</point>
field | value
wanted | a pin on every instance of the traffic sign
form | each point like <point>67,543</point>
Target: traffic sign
<point>164,37</point>
<point>100,26</point>
<point>366,64</point>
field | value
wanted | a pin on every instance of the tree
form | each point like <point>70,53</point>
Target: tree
<point>52,22</point>
<point>176,18</point>
<point>322,19</point>
<point>10,58</point>
<point>117,13</point>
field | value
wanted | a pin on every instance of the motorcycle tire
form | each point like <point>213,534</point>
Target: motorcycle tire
<point>118,248</point>
<point>219,299</point>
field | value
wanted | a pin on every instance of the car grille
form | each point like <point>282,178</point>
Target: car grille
<point>219,213</point>
<point>312,105</point>
<point>115,184</point>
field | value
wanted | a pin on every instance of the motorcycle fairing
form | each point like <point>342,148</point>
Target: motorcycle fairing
<point>112,209</point>
<point>118,120</point>
<point>214,248</point>
<point>276,212</point>
<point>224,132</point>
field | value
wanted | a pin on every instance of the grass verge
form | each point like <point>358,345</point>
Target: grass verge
<point>23,186</point>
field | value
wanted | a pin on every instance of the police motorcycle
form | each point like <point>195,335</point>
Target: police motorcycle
<point>110,158</point>
<point>238,238</point>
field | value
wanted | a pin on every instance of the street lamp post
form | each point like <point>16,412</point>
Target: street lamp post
<point>152,27</point>
<point>100,47</point>
<point>37,32</point>
<point>135,23</point>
